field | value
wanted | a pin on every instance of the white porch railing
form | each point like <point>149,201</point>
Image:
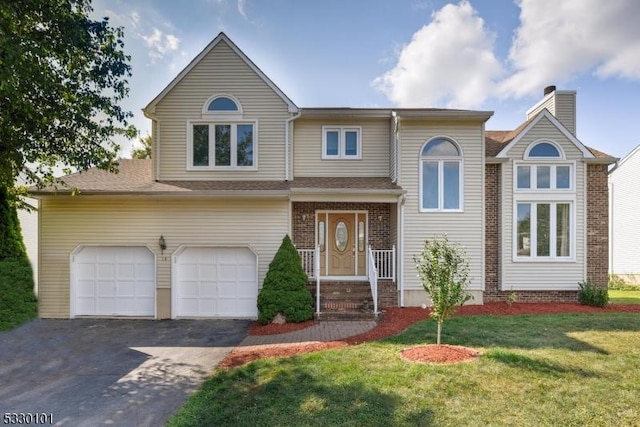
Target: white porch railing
<point>310,259</point>
<point>385,262</point>
<point>373,279</point>
<point>307,256</point>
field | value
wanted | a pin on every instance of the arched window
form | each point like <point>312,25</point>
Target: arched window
<point>223,104</point>
<point>440,175</point>
<point>544,149</point>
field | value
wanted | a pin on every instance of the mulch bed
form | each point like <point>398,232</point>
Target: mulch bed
<point>395,320</point>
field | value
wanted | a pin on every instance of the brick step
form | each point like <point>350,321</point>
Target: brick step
<point>345,315</point>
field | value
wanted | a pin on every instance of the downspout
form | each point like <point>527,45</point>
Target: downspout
<point>156,152</point>
<point>288,146</point>
<point>401,200</point>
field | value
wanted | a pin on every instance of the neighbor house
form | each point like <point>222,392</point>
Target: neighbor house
<point>237,165</point>
<point>624,205</point>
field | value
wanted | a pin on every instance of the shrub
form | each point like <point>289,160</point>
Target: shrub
<point>444,270</point>
<point>590,294</point>
<point>17,300</point>
<point>285,288</point>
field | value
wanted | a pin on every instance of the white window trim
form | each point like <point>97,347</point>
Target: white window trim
<point>553,201</point>
<point>341,142</point>
<point>533,177</point>
<point>212,167</point>
<point>441,160</point>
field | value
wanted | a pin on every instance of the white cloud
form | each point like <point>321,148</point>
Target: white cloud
<point>160,44</point>
<point>558,40</point>
<point>449,61</point>
<point>242,8</point>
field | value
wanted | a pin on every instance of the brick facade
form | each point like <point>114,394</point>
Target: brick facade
<point>379,223</point>
<point>492,293</point>
<point>598,224</point>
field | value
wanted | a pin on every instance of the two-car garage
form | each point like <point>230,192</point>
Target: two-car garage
<point>206,281</point>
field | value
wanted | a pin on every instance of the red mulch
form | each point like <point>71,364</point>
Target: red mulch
<point>396,320</point>
<point>443,353</point>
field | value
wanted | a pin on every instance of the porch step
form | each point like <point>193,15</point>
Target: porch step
<point>344,300</point>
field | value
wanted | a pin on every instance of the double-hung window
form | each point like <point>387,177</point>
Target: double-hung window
<point>341,142</point>
<point>441,187</point>
<point>544,200</point>
<point>222,139</point>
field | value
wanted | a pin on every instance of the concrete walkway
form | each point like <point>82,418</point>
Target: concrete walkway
<point>320,332</point>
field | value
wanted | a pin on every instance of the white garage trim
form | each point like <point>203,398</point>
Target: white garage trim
<point>76,277</point>
<point>186,302</point>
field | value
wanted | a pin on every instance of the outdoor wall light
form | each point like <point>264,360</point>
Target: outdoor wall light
<point>162,243</point>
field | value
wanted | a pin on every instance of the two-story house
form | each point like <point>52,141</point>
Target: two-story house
<point>237,165</point>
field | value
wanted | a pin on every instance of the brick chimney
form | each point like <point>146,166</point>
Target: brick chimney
<point>560,103</point>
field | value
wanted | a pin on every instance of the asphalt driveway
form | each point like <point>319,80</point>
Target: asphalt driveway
<point>92,372</point>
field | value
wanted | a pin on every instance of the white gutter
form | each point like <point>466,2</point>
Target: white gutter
<point>288,146</point>
<point>156,152</point>
<point>401,200</point>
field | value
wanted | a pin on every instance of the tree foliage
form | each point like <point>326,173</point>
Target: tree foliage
<point>17,299</point>
<point>285,288</point>
<point>145,151</point>
<point>444,270</point>
<point>62,76</point>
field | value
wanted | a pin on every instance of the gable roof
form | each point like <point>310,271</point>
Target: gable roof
<point>529,124</point>
<point>498,143</point>
<point>222,37</point>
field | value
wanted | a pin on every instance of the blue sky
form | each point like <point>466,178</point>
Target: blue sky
<point>493,55</point>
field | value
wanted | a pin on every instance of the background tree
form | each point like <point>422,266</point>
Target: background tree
<point>145,151</point>
<point>444,270</point>
<point>62,76</point>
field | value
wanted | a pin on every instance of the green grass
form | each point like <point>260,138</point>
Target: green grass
<point>624,297</point>
<point>569,370</point>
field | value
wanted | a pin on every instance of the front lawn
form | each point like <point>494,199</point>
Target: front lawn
<point>569,369</point>
<point>624,296</point>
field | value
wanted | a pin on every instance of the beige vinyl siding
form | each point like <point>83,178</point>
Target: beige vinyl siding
<point>565,110</point>
<point>562,105</point>
<point>548,102</point>
<point>464,228</point>
<point>69,222</point>
<point>307,150</point>
<point>540,275</point>
<point>625,223</point>
<point>222,72</point>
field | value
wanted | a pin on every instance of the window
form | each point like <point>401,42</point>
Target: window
<point>440,176</point>
<point>341,142</point>
<point>544,197</point>
<point>543,230</point>
<point>223,103</point>
<point>544,168</point>
<point>222,145</point>
<point>543,177</point>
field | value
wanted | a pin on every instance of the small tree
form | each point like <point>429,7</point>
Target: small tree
<point>285,288</point>
<point>444,270</point>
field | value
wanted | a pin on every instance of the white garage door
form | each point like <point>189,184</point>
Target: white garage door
<point>215,282</point>
<point>113,281</point>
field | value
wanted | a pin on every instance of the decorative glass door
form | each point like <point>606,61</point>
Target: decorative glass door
<point>342,240</point>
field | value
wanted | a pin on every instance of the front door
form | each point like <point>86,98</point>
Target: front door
<point>342,260</point>
<point>342,239</point>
